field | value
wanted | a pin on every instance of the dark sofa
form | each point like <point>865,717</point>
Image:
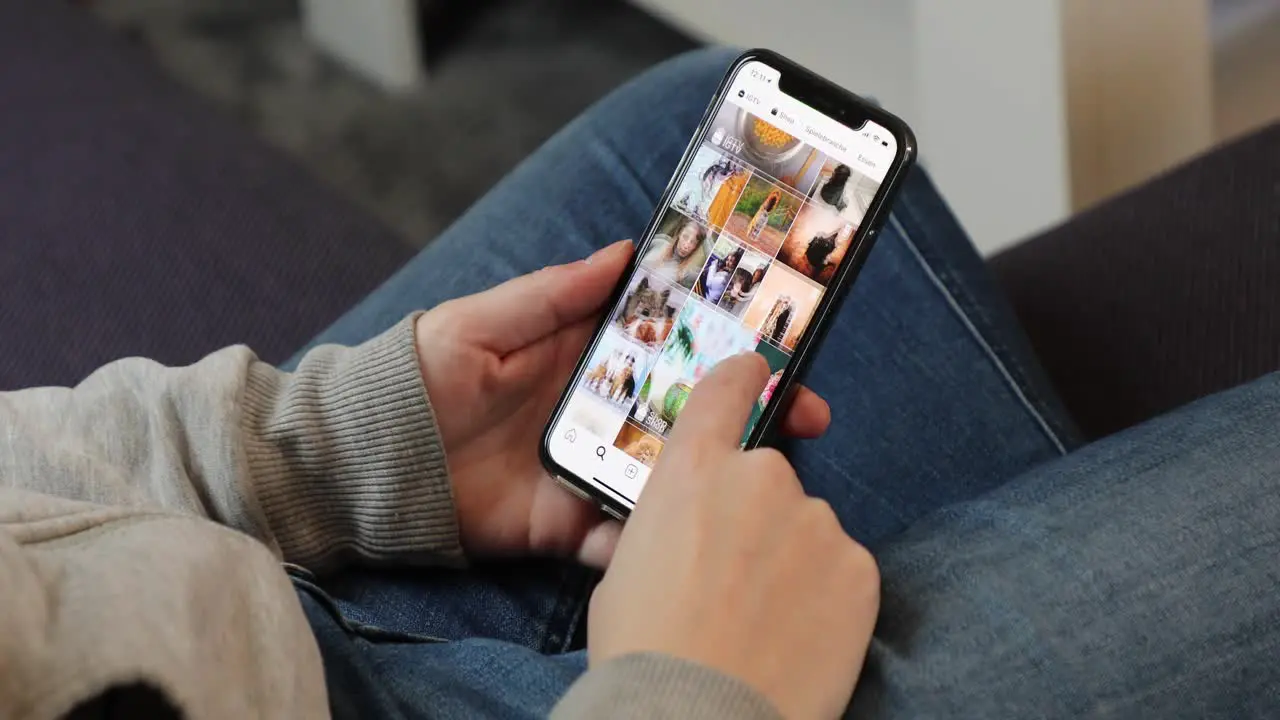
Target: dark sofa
<point>133,221</point>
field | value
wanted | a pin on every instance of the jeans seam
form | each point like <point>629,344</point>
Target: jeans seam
<point>572,599</point>
<point>558,630</point>
<point>1017,369</point>
<point>633,174</point>
<point>978,337</point>
<point>886,506</point>
<point>956,284</point>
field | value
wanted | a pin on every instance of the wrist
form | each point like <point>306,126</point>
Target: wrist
<point>348,457</point>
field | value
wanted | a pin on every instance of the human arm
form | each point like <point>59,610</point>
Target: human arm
<point>345,458</point>
<point>338,460</point>
<point>495,364</point>
<point>152,451</point>
<point>731,593</point>
<point>115,581</point>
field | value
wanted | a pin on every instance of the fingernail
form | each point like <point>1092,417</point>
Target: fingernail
<point>604,250</point>
<point>597,547</point>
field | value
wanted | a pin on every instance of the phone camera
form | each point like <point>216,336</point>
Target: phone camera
<point>742,93</point>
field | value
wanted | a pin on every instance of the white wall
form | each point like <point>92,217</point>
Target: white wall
<point>992,121</point>
<point>990,130</point>
<point>1025,110</point>
<point>863,45</point>
<point>1247,67</point>
<point>377,38</point>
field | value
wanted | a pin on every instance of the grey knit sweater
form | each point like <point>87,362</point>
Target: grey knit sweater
<point>144,516</point>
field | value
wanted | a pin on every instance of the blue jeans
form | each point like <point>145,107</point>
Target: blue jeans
<point>1132,577</point>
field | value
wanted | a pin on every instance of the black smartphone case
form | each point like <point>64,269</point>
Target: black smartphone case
<point>836,102</point>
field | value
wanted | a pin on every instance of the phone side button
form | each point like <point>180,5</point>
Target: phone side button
<point>574,489</point>
<point>614,513</point>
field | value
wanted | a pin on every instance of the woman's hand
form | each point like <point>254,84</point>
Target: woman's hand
<point>494,365</point>
<point>777,595</point>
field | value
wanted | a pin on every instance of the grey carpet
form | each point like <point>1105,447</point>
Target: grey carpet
<point>501,81</point>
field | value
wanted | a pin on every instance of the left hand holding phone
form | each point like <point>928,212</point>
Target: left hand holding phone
<point>494,365</point>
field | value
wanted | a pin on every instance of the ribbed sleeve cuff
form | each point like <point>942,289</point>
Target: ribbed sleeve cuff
<point>347,459</point>
<point>652,685</point>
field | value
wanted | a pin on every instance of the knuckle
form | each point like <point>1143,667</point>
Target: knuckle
<point>862,560</point>
<point>766,473</point>
<point>771,462</point>
<point>819,516</point>
<point>852,559</point>
<point>863,572</point>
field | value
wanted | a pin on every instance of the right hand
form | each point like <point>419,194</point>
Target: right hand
<point>726,562</point>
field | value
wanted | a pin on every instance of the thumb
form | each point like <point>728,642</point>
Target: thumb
<point>523,310</point>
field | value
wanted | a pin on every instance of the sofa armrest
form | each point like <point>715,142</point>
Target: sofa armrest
<point>1161,296</point>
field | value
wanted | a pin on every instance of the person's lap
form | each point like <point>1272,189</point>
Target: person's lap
<point>934,397</point>
<point>1133,578</point>
<point>935,403</point>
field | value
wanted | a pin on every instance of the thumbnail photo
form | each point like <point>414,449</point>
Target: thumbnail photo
<point>817,243</point>
<point>777,360</point>
<point>615,371</point>
<point>639,444</point>
<point>594,415</point>
<point>648,310</point>
<point>770,149</point>
<point>844,191</point>
<point>699,194</point>
<point>725,256</point>
<point>782,307</point>
<point>678,250</point>
<point>743,283</point>
<point>763,215</point>
<point>727,197</point>
<point>702,338</point>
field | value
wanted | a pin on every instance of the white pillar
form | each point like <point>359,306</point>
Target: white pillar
<point>378,39</point>
<point>1026,110</point>
<point>992,122</point>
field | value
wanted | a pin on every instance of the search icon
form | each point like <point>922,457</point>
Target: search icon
<point>600,452</point>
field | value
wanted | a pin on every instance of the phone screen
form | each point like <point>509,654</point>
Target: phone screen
<point>760,219</point>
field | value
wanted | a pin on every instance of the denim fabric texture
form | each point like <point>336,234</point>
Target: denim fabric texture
<point>1023,576</point>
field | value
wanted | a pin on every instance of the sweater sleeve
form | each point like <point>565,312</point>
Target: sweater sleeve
<point>338,461</point>
<point>651,685</point>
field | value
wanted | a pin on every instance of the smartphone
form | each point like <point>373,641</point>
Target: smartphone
<point>757,238</point>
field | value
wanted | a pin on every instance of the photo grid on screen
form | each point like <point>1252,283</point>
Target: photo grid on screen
<point>756,228</point>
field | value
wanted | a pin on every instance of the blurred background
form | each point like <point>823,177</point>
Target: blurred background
<point>1027,111</point>
<point>412,109</point>
<point>181,175</point>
